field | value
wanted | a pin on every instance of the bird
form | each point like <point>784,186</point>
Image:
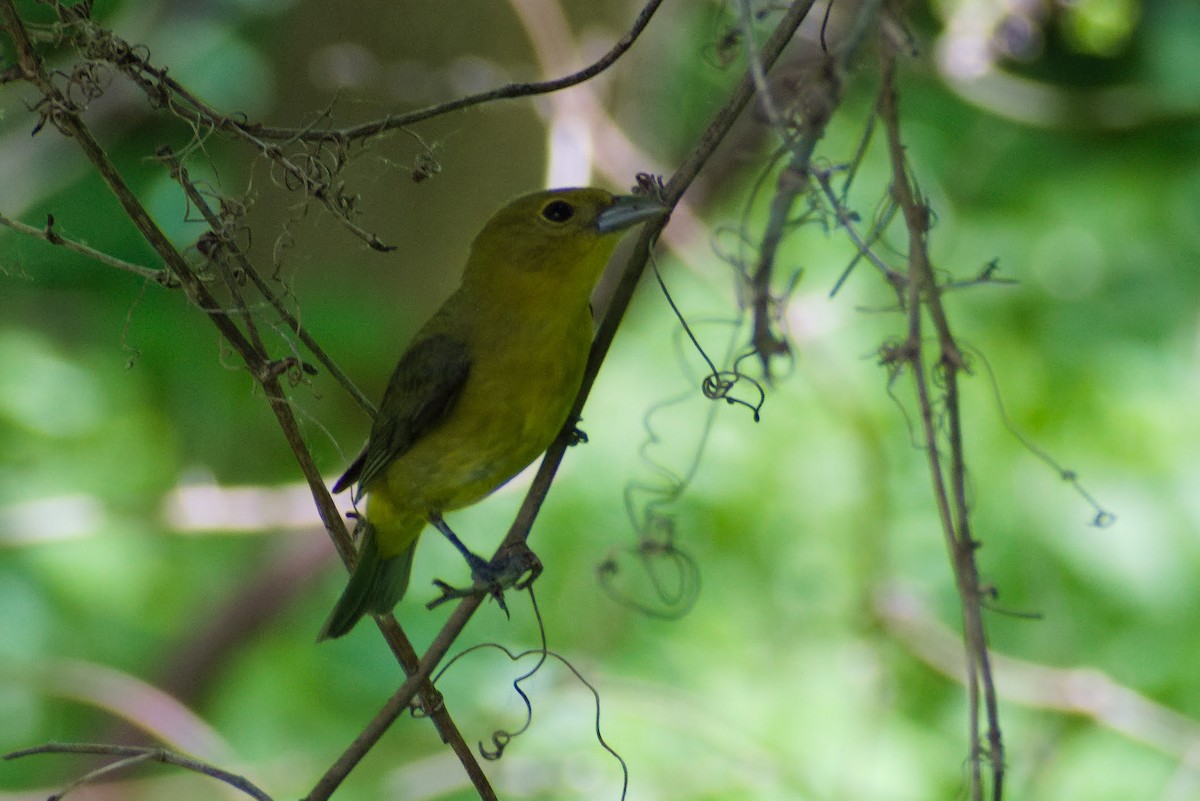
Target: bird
<point>485,385</point>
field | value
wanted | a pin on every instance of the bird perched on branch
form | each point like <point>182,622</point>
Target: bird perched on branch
<point>486,384</point>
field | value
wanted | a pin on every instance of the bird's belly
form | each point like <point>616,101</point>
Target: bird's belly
<point>498,427</point>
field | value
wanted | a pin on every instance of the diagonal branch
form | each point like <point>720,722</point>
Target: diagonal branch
<point>508,91</point>
<point>228,246</point>
<point>132,755</point>
<point>55,238</point>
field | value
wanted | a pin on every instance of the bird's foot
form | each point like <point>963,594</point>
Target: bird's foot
<point>516,567</point>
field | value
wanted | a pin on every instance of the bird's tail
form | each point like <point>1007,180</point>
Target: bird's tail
<point>376,585</point>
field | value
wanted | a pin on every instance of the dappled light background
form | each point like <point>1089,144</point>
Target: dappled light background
<point>163,572</point>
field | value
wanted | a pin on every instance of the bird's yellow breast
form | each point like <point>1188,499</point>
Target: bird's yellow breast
<point>525,372</point>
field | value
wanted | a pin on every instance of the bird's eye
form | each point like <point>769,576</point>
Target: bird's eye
<point>558,211</point>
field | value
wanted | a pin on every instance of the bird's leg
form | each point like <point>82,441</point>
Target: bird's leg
<point>492,578</point>
<point>476,562</point>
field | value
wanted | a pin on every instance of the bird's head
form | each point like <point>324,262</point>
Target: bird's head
<point>558,234</point>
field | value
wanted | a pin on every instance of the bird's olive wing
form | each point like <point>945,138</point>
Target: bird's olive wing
<point>421,392</point>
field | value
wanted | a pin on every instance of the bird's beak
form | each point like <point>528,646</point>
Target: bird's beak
<point>628,210</point>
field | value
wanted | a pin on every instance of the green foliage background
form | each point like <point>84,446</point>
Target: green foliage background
<point>814,530</point>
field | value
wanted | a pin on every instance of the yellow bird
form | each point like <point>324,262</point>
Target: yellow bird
<point>485,385</point>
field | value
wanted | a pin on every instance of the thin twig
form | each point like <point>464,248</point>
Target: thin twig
<point>793,181</point>
<point>48,234</point>
<point>506,92</point>
<point>134,755</point>
<point>757,73</point>
<point>846,220</point>
<point>240,307</point>
<point>180,174</point>
<point>953,508</point>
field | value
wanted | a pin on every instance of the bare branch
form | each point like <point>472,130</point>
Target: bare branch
<point>134,756</point>
<point>816,109</point>
<point>924,297</point>
<point>48,234</point>
<point>506,92</point>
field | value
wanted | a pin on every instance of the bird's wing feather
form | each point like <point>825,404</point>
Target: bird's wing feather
<point>421,392</point>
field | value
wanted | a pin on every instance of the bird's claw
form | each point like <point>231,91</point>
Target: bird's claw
<point>577,437</point>
<point>516,567</point>
<point>449,593</point>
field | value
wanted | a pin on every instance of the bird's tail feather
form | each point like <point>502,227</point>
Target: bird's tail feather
<point>375,586</point>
